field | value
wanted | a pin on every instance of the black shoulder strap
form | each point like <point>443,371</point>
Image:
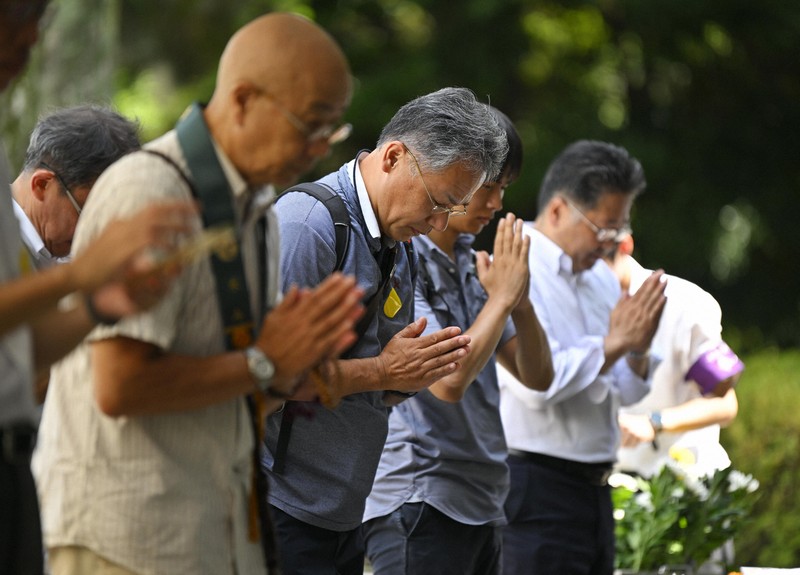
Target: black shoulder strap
<point>335,205</point>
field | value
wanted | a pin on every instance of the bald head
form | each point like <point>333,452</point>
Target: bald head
<point>282,53</point>
<point>280,78</point>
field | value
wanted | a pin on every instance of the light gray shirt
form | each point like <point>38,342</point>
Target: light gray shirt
<point>165,493</point>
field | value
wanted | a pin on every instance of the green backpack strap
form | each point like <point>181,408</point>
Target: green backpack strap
<point>214,193</point>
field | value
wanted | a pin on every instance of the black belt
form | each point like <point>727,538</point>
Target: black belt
<point>17,443</point>
<point>592,473</point>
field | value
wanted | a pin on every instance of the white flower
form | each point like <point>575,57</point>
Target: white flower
<point>738,480</point>
<point>623,480</point>
<point>644,500</point>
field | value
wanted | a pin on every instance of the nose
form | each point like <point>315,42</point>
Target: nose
<point>438,221</point>
<point>495,200</point>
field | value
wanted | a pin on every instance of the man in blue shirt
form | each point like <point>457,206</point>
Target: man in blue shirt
<point>429,160</point>
<point>437,502</point>
<point>562,442</point>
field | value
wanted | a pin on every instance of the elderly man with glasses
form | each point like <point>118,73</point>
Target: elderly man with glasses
<point>67,152</point>
<point>562,442</point>
<point>428,162</point>
<point>147,455</point>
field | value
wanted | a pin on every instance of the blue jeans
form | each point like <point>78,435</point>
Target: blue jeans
<point>305,549</point>
<point>418,539</point>
<point>557,523</point>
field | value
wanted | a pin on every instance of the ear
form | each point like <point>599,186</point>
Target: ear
<point>556,209</point>
<point>390,155</point>
<point>626,246</point>
<point>39,181</point>
<point>243,96</point>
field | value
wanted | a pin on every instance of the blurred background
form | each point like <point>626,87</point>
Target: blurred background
<point>706,93</point>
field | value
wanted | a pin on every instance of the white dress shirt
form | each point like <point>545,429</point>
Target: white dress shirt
<point>576,418</point>
<point>690,324</point>
<point>42,258</point>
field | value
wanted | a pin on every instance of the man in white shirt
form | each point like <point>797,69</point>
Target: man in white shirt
<point>562,442</point>
<point>67,152</point>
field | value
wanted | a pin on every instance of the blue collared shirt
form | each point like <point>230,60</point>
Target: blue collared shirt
<point>450,455</point>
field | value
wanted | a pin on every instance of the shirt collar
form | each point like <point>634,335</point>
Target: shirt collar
<point>556,259</point>
<point>363,198</point>
<point>31,236</point>
<point>238,186</point>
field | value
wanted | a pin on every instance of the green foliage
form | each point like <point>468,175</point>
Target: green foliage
<point>674,518</point>
<point>705,94</point>
<point>764,440</point>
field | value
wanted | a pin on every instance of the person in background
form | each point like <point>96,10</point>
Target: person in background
<point>67,152</point>
<point>437,501</point>
<point>562,442</point>
<point>693,387</point>
<point>35,330</point>
<point>146,455</point>
<point>431,157</point>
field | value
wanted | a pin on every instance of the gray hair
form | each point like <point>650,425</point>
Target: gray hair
<point>447,128</point>
<point>80,142</point>
<point>587,169</point>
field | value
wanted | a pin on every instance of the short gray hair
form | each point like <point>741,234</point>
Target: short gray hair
<point>450,127</point>
<point>80,142</point>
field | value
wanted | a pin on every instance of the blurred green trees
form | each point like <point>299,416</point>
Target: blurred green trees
<point>706,94</point>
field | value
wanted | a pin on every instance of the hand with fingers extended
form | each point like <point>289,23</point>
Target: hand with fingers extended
<point>635,318</point>
<point>309,326</point>
<point>506,275</point>
<point>411,361</point>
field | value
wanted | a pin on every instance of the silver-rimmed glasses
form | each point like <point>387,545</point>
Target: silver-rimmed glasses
<point>330,133</point>
<point>603,234</point>
<point>71,197</point>
<point>437,208</point>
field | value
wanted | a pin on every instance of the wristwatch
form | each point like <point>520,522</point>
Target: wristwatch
<point>655,421</point>
<point>261,368</point>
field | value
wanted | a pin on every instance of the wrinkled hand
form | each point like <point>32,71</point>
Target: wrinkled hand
<point>635,318</point>
<point>506,275</point>
<point>117,269</point>
<point>411,362</point>
<point>635,429</point>
<point>310,325</point>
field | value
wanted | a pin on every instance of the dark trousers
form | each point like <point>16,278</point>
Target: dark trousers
<point>418,539</point>
<point>558,523</point>
<point>20,530</point>
<point>305,549</point>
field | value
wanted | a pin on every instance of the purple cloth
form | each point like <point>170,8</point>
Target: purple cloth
<point>715,365</point>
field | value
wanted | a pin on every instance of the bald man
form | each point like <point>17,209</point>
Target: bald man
<point>145,457</point>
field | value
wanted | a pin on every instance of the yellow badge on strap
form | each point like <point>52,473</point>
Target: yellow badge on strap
<point>392,304</point>
<point>25,263</point>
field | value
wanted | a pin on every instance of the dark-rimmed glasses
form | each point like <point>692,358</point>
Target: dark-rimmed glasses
<point>71,197</point>
<point>459,210</point>
<point>331,134</point>
<point>603,235</point>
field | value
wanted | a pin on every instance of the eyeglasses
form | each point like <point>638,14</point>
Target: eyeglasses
<point>331,134</point>
<point>437,208</point>
<point>603,234</point>
<point>72,199</point>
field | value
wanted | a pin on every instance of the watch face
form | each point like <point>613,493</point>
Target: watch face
<point>260,365</point>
